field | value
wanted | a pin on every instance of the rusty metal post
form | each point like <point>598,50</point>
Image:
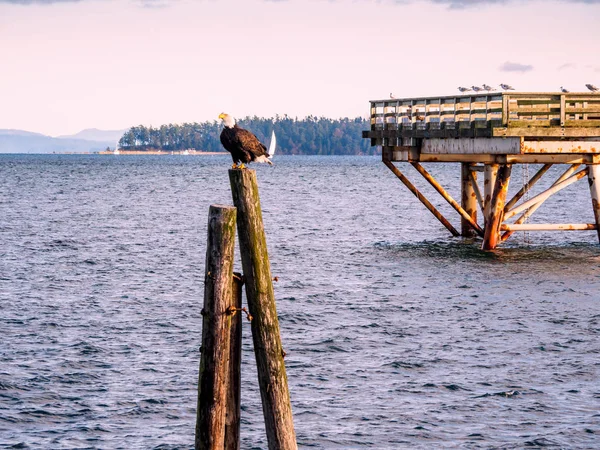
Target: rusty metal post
<point>468,199</point>
<point>490,172</point>
<point>496,215</point>
<point>594,180</point>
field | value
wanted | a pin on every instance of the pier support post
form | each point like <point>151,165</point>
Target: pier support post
<point>233,413</point>
<point>490,172</point>
<point>468,199</point>
<point>496,209</point>
<point>214,359</point>
<point>594,181</point>
<point>268,350</point>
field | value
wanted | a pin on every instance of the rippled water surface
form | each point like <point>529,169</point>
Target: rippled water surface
<point>397,335</point>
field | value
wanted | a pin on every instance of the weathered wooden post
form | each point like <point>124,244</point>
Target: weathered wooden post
<point>493,221</point>
<point>233,413</point>
<point>468,199</point>
<point>216,322</point>
<point>490,172</point>
<point>594,181</point>
<point>272,376</point>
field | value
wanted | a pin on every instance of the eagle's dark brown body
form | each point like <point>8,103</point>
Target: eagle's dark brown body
<point>243,145</point>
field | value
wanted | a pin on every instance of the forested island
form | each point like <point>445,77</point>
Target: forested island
<point>309,136</point>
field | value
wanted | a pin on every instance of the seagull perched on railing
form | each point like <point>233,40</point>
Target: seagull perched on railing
<point>487,88</point>
<point>507,87</point>
<point>392,95</point>
<point>476,88</point>
<point>464,89</point>
<point>563,90</point>
<point>592,88</point>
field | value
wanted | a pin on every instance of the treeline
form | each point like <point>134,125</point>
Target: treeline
<point>309,136</point>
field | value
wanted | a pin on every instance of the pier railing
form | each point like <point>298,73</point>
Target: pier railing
<point>505,114</point>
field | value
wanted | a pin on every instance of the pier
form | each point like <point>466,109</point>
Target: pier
<point>487,134</point>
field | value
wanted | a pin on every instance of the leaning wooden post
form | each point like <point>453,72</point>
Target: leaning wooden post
<point>272,377</point>
<point>216,322</point>
<point>233,413</point>
<point>468,199</point>
<point>594,181</point>
<point>491,236</point>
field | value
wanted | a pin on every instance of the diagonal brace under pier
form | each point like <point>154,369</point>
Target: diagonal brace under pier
<point>438,215</point>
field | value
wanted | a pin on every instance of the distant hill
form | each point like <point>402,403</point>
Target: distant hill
<point>18,133</point>
<point>94,134</point>
<point>19,141</point>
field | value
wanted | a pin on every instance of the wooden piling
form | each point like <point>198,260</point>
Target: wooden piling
<point>490,172</point>
<point>233,413</point>
<point>594,181</point>
<point>496,209</point>
<point>468,199</point>
<point>216,322</point>
<point>272,376</point>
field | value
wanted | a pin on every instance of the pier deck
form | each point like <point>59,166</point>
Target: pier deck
<point>489,133</point>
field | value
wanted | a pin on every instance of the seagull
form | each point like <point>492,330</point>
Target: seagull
<point>507,87</point>
<point>592,88</point>
<point>486,87</point>
<point>476,88</point>
<point>392,95</point>
<point>562,89</point>
<point>464,89</point>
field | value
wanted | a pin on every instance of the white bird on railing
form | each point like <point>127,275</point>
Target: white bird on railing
<point>592,88</point>
<point>392,95</point>
<point>476,88</point>
<point>507,87</point>
<point>487,88</point>
<point>464,89</point>
<point>563,90</point>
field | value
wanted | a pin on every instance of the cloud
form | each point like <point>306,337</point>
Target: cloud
<point>461,4</point>
<point>566,66</point>
<point>515,67</point>
<point>37,2</point>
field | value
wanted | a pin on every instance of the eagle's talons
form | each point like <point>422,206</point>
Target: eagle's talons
<point>242,166</point>
<point>234,166</point>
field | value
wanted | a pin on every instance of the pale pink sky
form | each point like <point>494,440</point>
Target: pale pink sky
<point>111,64</point>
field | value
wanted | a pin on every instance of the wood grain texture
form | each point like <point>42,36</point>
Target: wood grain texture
<point>216,323</point>
<point>268,350</point>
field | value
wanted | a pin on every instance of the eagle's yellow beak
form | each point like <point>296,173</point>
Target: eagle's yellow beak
<point>222,116</point>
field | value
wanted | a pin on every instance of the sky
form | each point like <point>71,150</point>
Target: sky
<point>67,65</point>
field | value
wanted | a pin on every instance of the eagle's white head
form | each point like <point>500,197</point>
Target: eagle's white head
<point>228,120</point>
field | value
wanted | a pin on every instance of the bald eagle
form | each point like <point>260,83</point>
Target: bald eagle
<point>243,145</point>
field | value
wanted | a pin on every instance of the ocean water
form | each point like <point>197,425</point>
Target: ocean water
<point>397,334</point>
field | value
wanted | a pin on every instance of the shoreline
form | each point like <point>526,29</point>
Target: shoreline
<point>158,152</point>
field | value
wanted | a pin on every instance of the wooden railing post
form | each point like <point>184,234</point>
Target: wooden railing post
<point>272,376</point>
<point>216,322</point>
